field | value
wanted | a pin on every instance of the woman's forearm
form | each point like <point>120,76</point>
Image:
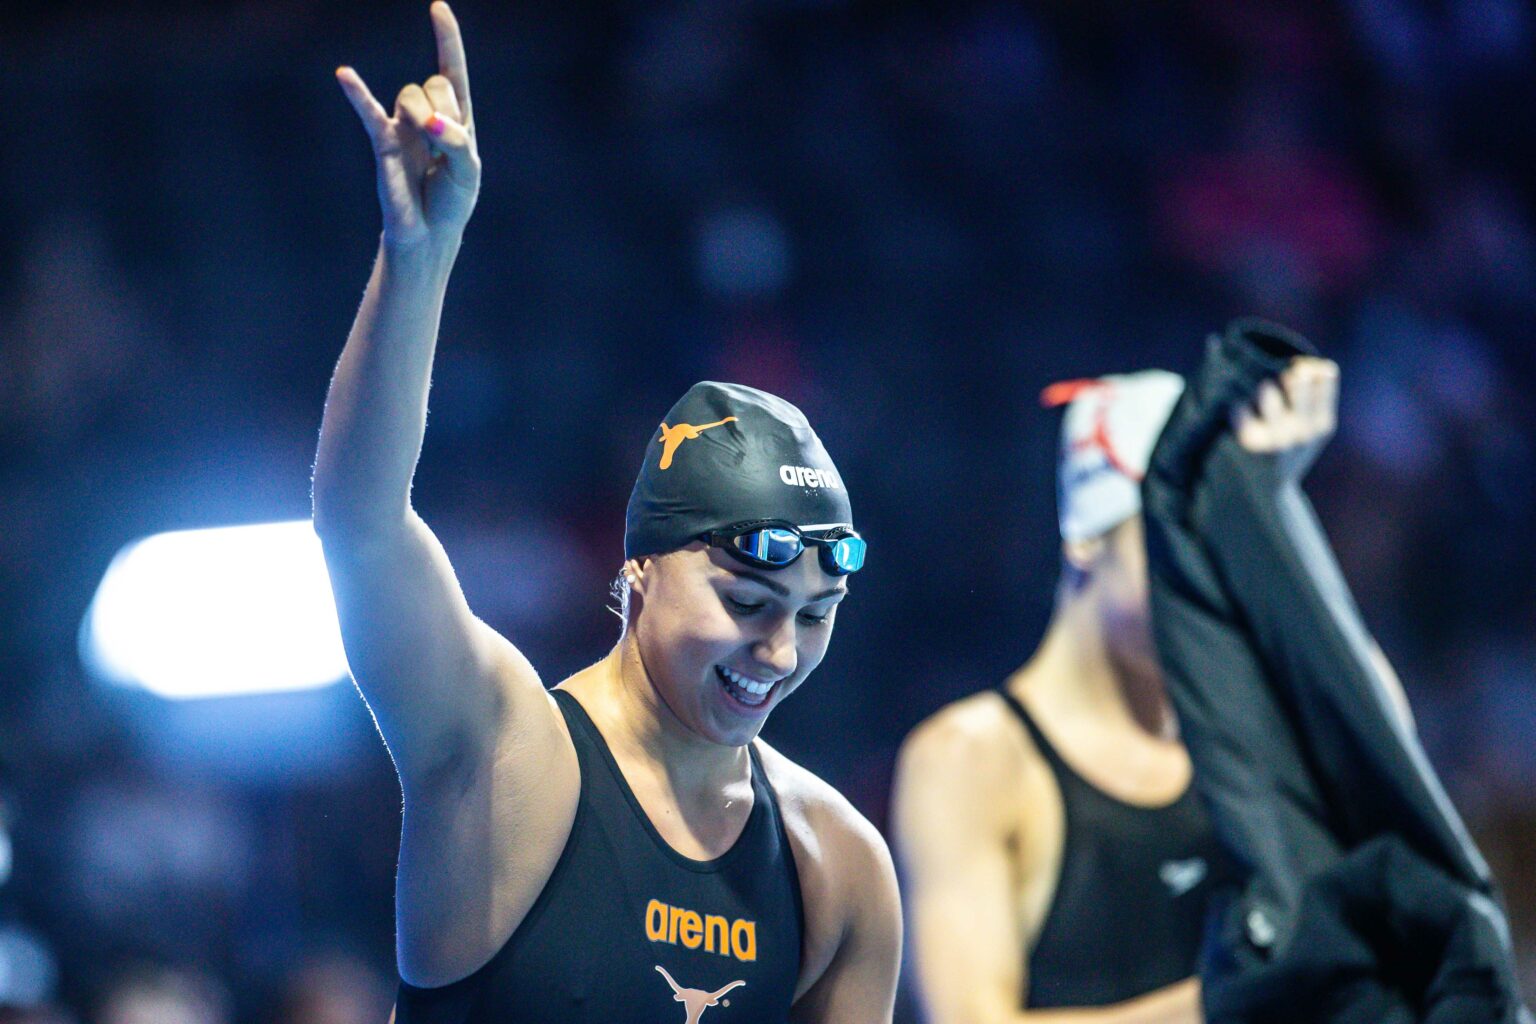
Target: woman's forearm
<point>375,414</point>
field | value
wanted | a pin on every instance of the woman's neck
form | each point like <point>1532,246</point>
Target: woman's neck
<point>1075,668</point>
<point>638,725</point>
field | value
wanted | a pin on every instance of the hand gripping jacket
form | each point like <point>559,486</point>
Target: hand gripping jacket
<point>1362,897</point>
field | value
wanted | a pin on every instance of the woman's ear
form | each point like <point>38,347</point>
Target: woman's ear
<point>1082,554</point>
<point>634,573</point>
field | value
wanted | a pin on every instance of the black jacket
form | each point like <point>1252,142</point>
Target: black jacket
<point>1363,899</point>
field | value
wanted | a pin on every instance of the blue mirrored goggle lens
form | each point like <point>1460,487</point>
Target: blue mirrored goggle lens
<point>848,553</point>
<point>774,546</point>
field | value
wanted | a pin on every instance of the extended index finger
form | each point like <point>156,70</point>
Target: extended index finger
<point>451,63</point>
<point>374,117</point>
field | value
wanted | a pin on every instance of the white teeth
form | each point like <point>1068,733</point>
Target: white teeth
<point>749,688</point>
<point>747,683</point>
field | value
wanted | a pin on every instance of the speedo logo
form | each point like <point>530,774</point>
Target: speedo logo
<point>675,925</point>
<point>805,476</point>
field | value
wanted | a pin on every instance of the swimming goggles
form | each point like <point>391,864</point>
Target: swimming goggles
<point>775,544</point>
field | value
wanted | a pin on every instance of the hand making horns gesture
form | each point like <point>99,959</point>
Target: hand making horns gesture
<point>428,166</point>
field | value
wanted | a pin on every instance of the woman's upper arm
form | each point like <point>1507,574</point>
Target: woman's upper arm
<point>953,834</point>
<point>858,985</point>
<point>489,775</point>
<point>440,683</point>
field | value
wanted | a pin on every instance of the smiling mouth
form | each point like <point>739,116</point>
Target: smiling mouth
<point>744,690</point>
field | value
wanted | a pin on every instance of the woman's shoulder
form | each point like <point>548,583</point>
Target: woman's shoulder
<point>847,879</point>
<point>974,745</point>
<point>978,723</point>
<point>816,816</point>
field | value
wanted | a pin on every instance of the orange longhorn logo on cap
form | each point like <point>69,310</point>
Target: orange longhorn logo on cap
<point>672,438</point>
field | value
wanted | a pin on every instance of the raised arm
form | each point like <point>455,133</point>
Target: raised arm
<point>956,836</point>
<point>463,713</point>
<point>427,667</point>
<point>1292,418</point>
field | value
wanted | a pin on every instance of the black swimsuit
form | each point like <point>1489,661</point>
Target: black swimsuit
<point>1129,909</point>
<point>629,931</point>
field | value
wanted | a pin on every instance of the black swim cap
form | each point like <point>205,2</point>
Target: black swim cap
<point>728,454</point>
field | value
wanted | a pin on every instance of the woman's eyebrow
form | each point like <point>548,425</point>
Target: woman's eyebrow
<point>757,577</point>
<point>781,590</point>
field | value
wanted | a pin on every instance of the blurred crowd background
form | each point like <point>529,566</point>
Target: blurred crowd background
<point>905,217</point>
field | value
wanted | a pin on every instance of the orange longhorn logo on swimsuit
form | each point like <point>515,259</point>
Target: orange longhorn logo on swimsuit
<point>672,438</point>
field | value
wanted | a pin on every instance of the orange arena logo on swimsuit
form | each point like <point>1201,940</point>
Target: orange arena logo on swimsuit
<point>678,926</point>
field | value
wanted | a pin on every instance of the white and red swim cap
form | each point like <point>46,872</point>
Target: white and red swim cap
<point>1107,435</point>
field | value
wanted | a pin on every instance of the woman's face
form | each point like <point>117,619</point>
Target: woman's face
<point>724,642</point>
<point>1121,580</point>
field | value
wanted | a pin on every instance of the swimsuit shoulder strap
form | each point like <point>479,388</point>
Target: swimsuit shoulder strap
<point>1047,749</point>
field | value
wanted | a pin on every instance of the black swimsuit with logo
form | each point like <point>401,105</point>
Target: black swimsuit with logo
<point>629,931</point>
<point>1128,914</point>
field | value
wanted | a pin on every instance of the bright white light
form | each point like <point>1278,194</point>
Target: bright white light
<point>209,613</point>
